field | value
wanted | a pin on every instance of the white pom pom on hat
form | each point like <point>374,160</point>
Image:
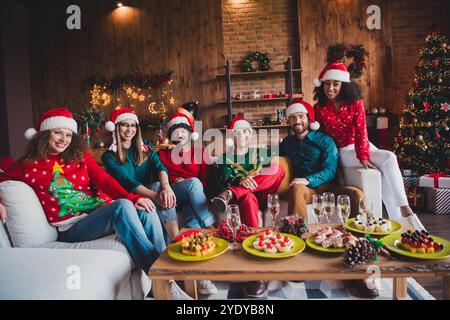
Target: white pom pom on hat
<point>110,126</point>
<point>30,133</point>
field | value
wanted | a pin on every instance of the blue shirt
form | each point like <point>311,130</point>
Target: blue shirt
<point>314,158</point>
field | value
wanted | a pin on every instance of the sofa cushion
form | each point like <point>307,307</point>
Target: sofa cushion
<point>286,164</point>
<point>26,223</point>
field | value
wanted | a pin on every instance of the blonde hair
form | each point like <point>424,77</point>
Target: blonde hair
<point>139,155</point>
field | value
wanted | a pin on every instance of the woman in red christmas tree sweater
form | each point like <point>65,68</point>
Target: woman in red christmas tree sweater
<point>340,111</point>
<point>77,195</point>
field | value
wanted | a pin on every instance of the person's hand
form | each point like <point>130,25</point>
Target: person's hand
<point>367,164</point>
<point>177,180</point>
<point>169,200</point>
<point>299,181</point>
<point>248,183</point>
<point>3,214</point>
<point>145,204</point>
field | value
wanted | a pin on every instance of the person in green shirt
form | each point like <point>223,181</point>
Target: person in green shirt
<point>247,175</point>
<point>314,159</point>
<point>135,164</point>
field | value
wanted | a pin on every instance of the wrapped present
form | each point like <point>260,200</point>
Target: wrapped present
<point>438,200</point>
<point>410,182</point>
<point>416,197</point>
<point>435,180</point>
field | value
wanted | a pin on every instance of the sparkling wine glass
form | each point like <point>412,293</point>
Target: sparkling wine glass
<point>343,208</point>
<point>328,205</point>
<point>273,205</point>
<point>234,222</point>
<point>365,209</point>
<point>317,208</point>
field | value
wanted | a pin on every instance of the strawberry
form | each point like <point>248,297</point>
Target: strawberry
<point>269,246</point>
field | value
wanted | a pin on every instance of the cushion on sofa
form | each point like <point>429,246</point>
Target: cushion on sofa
<point>26,223</point>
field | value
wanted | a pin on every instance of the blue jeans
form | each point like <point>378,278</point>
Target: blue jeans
<point>165,215</point>
<point>192,202</point>
<point>139,231</point>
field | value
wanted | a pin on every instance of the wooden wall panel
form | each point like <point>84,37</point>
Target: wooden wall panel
<point>325,22</point>
<point>152,35</point>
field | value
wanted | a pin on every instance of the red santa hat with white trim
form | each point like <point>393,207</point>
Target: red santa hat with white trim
<point>116,117</point>
<point>181,120</point>
<point>53,119</point>
<point>236,123</point>
<point>334,71</point>
<point>303,106</point>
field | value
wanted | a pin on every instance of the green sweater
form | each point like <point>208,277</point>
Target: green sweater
<point>232,168</point>
<point>130,175</point>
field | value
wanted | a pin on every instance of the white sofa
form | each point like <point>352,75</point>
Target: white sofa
<point>33,265</point>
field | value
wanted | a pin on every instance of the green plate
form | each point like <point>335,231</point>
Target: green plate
<point>174,251</point>
<point>298,247</point>
<point>310,242</point>
<point>392,242</point>
<point>396,227</point>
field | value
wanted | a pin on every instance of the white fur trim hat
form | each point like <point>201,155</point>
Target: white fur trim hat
<point>334,71</point>
<point>53,119</point>
<point>305,107</point>
<point>236,123</point>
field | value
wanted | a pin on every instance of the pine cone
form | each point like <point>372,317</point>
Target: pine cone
<point>361,252</point>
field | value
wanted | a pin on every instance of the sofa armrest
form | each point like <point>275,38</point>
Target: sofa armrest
<point>38,273</point>
<point>369,181</point>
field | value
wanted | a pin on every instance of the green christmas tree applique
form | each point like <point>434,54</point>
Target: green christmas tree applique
<point>71,202</point>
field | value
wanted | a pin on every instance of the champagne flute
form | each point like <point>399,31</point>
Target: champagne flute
<point>234,222</point>
<point>343,208</point>
<point>365,209</point>
<point>273,205</point>
<point>328,205</point>
<point>317,208</point>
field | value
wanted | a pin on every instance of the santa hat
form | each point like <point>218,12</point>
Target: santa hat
<point>334,71</point>
<point>117,116</point>
<point>236,123</point>
<point>178,119</point>
<point>53,119</point>
<point>305,107</point>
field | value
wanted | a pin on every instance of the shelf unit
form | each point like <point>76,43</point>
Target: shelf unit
<point>288,72</point>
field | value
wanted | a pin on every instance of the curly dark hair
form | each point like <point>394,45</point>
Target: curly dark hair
<point>39,148</point>
<point>350,92</point>
<point>176,126</point>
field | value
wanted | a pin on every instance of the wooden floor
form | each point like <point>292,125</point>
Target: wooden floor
<point>438,225</point>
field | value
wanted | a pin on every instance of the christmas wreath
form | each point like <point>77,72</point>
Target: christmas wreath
<point>354,56</point>
<point>262,59</point>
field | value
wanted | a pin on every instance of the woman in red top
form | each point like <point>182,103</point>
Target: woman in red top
<point>340,111</point>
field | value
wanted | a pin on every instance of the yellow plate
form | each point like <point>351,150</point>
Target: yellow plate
<point>174,251</point>
<point>393,243</point>
<point>299,246</point>
<point>310,242</point>
<point>396,227</point>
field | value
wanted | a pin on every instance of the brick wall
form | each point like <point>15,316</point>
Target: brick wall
<point>411,22</point>
<point>268,26</point>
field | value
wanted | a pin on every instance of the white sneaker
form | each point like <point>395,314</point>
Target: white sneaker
<point>176,293</point>
<point>206,287</point>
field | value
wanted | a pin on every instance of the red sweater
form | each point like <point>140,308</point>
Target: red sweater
<point>188,168</point>
<point>345,127</point>
<point>65,189</point>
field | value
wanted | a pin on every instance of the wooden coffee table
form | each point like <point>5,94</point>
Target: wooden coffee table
<point>309,265</point>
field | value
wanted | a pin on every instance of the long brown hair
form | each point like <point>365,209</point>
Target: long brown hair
<point>39,148</point>
<point>139,155</point>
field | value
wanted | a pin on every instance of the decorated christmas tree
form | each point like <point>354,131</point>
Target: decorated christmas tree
<point>423,143</point>
<point>71,202</point>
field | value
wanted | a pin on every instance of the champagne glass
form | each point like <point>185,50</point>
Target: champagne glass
<point>273,205</point>
<point>365,209</point>
<point>328,205</point>
<point>234,222</point>
<point>317,208</point>
<point>343,208</point>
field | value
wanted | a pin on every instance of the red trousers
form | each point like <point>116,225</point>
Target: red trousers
<point>250,201</point>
